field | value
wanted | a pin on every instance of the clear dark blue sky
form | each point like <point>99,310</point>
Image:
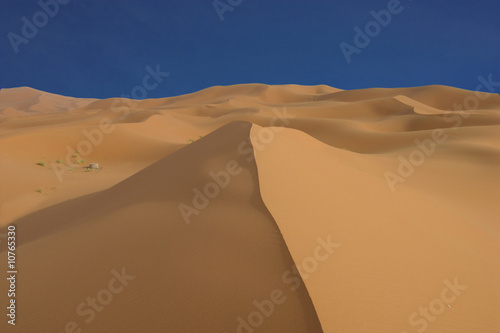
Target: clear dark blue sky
<point>100,48</point>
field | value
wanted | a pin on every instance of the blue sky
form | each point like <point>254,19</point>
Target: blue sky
<point>101,48</point>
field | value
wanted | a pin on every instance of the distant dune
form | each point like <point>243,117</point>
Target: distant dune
<point>253,208</point>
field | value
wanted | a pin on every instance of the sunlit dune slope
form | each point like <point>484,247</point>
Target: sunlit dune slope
<point>394,250</point>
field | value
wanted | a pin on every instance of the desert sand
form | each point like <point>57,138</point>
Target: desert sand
<point>253,208</point>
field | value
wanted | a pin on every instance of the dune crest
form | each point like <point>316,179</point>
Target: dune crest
<point>191,272</point>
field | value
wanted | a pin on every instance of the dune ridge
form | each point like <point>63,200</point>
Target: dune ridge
<point>190,271</point>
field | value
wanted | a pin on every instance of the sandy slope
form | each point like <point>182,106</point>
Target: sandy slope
<point>374,241</point>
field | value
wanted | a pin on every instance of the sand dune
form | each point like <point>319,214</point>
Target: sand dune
<point>254,208</point>
<point>28,101</point>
